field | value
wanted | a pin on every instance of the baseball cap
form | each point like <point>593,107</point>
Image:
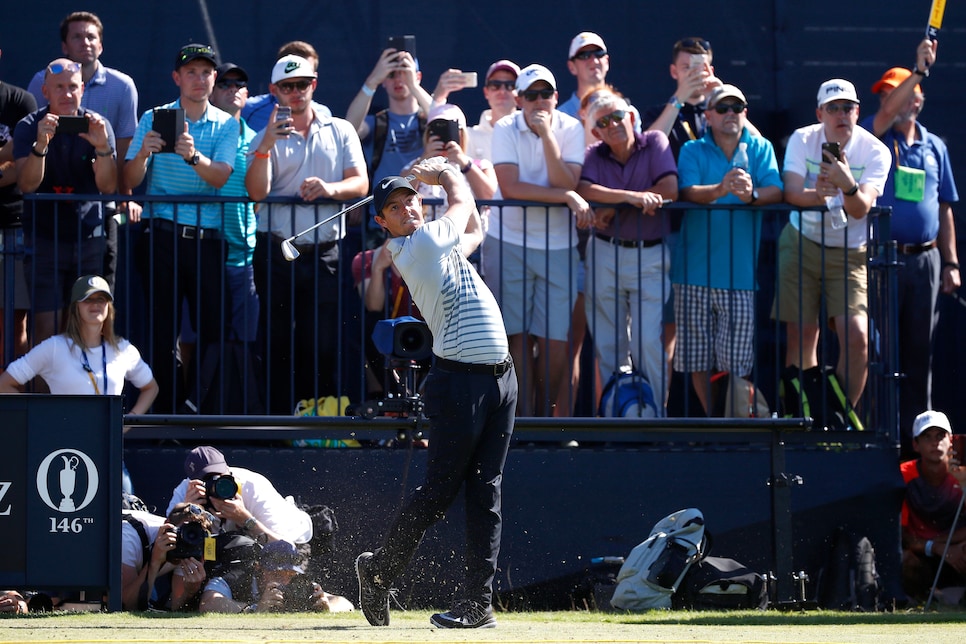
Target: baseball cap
<point>194,51</point>
<point>447,112</point>
<point>583,39</point>
<point>893,78</point>
<point>726,91</point>
<point>505,65</point>
<point>533,73</point>
<point>225,68</point>
<point>87,285</point>
<point>279,555</point>
<point>836,89</point>
<point>928,419</point>
<point>204,460</point>
<point>385,187</point>
<point>292,66</point>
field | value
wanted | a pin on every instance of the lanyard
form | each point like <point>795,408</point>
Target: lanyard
<point>90,372</point>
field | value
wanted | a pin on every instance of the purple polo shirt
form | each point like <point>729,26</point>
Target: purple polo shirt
<point>650,161</point>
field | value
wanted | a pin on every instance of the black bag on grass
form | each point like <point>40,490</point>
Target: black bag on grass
<point>717,583</point>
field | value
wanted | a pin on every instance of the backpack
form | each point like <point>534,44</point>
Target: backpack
<point>627,394</point>
<point>716,583</point>
<point>736,397</point>
<point>816,393</point>
<point>655,567</point>
<point>848,579</point>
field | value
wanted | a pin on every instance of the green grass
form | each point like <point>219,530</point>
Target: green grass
<point>573,626</point>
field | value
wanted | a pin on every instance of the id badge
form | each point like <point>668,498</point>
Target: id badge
<point>910,184</point>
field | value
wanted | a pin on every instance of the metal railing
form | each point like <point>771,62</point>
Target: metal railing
<point>234,372</point>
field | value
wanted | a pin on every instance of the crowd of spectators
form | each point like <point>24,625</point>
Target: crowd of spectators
<point>214,275</point>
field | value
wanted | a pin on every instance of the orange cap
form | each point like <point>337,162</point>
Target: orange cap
<point>893,78</point>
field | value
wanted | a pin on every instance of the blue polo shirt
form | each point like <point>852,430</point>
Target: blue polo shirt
<point>917,222</point>
<point>239,229</point>
<point>719,248</point>
<point>216,137</point>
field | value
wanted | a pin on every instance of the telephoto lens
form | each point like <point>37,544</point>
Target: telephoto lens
<point>221,487</point>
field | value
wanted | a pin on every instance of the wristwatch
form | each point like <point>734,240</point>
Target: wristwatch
<point>674,102</point>
<point>250,524</point>
<point>194,159</point>
<point>920,72</point>
<point>754,196</point>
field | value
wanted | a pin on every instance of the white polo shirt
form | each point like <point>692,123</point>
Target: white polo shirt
<point>331,148</point>
<point>515,143</point>
<point>869,161</point>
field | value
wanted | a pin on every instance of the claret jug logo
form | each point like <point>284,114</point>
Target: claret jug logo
<point>65,476</point>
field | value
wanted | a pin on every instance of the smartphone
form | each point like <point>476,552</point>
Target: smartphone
<point>170,125</point>
<point>469,79</point>
<point>446,130</point>
<point>833,149</point>
<point>72,124</point>
<point>403,43</point>
<point>698,60</point>
<point>282,114</point>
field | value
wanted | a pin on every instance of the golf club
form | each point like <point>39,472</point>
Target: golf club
<point>949,541</point>
<point>290,253</point>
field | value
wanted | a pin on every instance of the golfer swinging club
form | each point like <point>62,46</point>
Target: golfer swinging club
<point>470,397</point>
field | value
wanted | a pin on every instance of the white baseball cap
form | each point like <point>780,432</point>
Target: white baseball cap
<point>533,73</point>
<point>292,66</point>
<point>837,89</point>
<point>928,419</point>
<point>583,39</point>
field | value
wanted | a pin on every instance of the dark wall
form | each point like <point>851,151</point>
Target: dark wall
<point>777,52</point>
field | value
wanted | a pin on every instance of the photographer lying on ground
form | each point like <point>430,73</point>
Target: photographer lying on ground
<point>279,585</point>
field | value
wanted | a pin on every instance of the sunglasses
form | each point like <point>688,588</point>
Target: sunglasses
<point>587,55</point>
<point>737,108</point>
<point>691,43</point>
<point>58,68</point>
<point>231,83</point>
<point>496,85</point>
<point>195,511</point>
<point>297,86</point>
<point>614,117</point>
<point>835,108</point>
<point>533,94</point>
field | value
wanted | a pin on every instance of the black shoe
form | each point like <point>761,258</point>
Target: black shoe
<point>373,596</point>
<point>466,614</point>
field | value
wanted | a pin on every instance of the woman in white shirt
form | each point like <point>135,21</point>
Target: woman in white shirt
<point>87,358</point>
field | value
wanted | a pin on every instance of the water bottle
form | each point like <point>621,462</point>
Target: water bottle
<point>740,158</point>
<point>836,211</point>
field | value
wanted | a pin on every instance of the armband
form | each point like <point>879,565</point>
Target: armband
<point>365,89</point>
<point>466,168</point>
<point>674,102</point>
<point>951,265</point>
<point>853,190</point>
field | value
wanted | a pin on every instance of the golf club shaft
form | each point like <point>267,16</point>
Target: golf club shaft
<point>361,202</point>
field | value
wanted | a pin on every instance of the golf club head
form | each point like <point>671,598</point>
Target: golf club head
<point>289,252</point>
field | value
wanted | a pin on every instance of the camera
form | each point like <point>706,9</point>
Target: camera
<point>299,593</point>
<point>223,487</point>
<point>190,542</point>
<point>446,130</point>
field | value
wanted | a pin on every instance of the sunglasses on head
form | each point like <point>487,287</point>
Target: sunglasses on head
<point>533,94</point>
<point>691,43</point>
<point>508,85</point>
<point>296,86</point>
<point>57,68</point>
<point>587,55</point>
<point>835,108</point>
<point>614,117</point>
<point>231,83</point>
<point>737,108</point>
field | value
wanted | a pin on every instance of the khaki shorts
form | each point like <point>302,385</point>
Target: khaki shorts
<point>842,279</point>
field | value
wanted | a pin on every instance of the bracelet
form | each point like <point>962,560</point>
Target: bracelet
<point>951,265</point>
<point>109,153</point>
<point>440,175</point>
<point>367,91</point>
<point>853,190</point>
<point>263,155</point>
<point>33,151</point>
<point>466,168</point>
<point>675,102</point>
<point>927,549</point>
